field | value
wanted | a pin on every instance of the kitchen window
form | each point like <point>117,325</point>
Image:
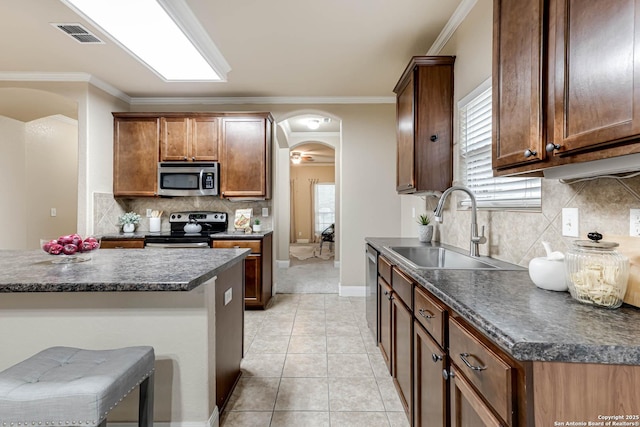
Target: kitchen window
<point>474,112</point>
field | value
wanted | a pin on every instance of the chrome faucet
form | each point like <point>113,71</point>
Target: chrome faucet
<point>475,238</point>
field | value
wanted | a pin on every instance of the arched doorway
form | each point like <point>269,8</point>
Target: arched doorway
<point>318,152</point>
<point>39,161</point>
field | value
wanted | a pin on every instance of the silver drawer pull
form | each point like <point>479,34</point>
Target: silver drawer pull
<point>464,356</point>
<point>426,314</point>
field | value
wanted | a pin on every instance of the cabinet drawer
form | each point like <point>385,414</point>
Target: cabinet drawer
<point>122,244</point>
<point>384,269</point>
<point>402,286</point>
<point>487,371</point>
<point>254,245</point>
<point>430,314</point>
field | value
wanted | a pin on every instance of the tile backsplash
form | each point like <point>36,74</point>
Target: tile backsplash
<point>516,237</point>
<point>107,209</point>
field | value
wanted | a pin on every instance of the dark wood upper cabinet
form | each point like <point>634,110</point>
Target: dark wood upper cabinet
<point>566,88</point>
<point>596,86</point>
<point>424,110</point>
<point>245,156</point>
<point>189,138</point>
<point>517,83</point>
<point>135,155</point>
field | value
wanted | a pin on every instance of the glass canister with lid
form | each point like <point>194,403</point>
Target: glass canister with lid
<point>596,273</point>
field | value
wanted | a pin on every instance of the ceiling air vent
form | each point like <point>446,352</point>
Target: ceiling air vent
<point>78,33</point>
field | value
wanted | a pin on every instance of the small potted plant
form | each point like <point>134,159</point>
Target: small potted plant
<point>129,221</point>
<point>257,226</point>
<point>425,229</point>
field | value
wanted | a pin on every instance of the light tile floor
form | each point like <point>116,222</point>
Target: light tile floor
<point>310,360</point>
<point>314,276</point>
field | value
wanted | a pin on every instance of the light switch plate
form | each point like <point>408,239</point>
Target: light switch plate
<point>228,296</point>
<point>265,212</point>
<point>634,222</point>
<point>54,212</point>
<point>570,222</point>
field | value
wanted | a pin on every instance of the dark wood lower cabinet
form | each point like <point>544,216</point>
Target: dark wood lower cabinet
<point>467,407</point>
<point>258,269</point>
<point>384,309</point>
<point>430,388</point>
<point>402,336</point>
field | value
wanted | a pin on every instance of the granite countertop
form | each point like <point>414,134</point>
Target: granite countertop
<point>115,270</point>
<point>229,234</point>
<point>527,322</point>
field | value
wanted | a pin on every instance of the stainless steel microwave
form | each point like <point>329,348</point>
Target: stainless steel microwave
<point>188,178</point>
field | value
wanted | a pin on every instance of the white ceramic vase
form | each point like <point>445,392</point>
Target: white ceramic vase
<point>425,233</point>
<point>257,227</point>
<point>128,228</point>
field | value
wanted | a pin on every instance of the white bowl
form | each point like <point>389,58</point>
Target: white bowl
<point>548,274</point>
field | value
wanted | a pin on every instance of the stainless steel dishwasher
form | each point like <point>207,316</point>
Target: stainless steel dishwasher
<point>371,300</point>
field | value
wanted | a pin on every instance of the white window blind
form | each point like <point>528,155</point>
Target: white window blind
<point>475,151</point>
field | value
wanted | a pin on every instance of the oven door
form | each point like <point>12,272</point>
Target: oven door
<point>188,179</point>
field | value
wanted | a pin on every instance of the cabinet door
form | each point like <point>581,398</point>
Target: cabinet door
<point>401,359</point>
<point>433,161</point>
<point>174,139</point>
<point>404,134</point>
<point>385,293</point>
<point>252,294</point>
<point>204,139</point>
<point>518,133</point>
<point>135,157</point>
<point>430,389</point>
<point>596,72</point>
<point>243,167</point>
<point>467,407</point>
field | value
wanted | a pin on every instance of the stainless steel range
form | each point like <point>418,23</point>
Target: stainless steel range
<point>189,230</point>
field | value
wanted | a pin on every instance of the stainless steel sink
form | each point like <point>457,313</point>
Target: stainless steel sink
<point>427,257</point>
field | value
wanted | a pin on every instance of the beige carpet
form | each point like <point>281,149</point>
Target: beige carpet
<point>306,251</point>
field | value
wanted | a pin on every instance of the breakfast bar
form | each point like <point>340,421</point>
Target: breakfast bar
<point>185,303</point>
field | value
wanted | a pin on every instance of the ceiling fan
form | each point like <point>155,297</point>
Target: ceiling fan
<point>298,157</point>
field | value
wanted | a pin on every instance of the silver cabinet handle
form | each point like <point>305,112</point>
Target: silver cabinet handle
<point>528,153</point>
<point>436,358</point>
<point>426,314</point>
<point>464,356</point>
<point>551,147</point>
<point>446,374</point>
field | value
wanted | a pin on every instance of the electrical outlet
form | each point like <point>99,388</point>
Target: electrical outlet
<point>570,222</point>
<point>228,296</point>
<point>265,212</point>
<point>634,222</point>
<point>54,212</point>
<point>413,212</point>
<point>149,213</point>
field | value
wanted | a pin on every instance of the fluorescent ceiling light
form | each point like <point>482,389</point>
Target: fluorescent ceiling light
<point>145,29</point>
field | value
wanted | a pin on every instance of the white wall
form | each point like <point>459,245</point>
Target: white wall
<point>51,177</point>
<point>13,187</point>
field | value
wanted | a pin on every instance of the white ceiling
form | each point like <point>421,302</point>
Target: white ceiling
<point>276,48</point>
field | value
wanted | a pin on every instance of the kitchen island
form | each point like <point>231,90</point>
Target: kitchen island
<point>186,303</point>
<point>523,355</point>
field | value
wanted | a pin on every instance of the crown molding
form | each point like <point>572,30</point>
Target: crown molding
<point>27,76</point>
<point>452,25</point>
<point>88,78</point>
<point>265,100</point>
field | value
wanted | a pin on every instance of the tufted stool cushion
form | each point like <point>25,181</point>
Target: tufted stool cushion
<point>71,386</point>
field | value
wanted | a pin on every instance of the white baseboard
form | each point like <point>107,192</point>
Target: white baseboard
<point>283,263</point>
<point>213,421</point>
<point>352,291</point>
